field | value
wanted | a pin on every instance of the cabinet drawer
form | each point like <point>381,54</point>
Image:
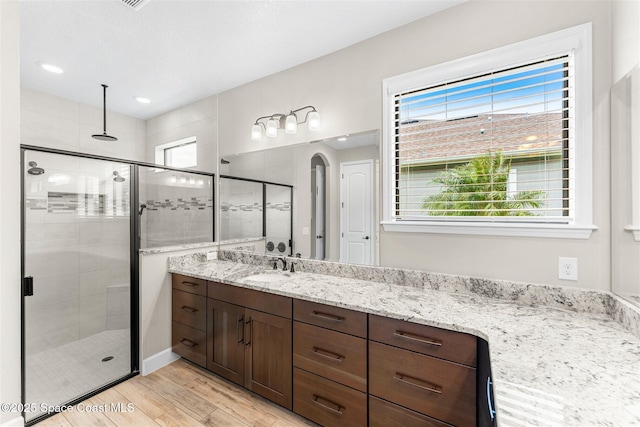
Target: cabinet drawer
<point>386,414</point>
<point>337,319</point>
<point>189,284</point>
<point>339,357</point>
<point>189,309</point>
<point>257,300</point>
<point>189,343</point>
<point>431,386</point>
<point>326,402</point>
<point>449,345</point>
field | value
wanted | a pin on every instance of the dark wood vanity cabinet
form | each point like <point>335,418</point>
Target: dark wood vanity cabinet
<point>189,314</point>
<point>249,340</point>
<point>334,366</point>
<point>420,371</point>
<point>330,364</point>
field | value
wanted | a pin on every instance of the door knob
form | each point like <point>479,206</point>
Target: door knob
<point>366,237</point>
<point>318,237</point>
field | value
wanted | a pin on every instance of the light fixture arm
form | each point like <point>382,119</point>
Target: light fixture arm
<point>288,122</point>
<point>311,109</point>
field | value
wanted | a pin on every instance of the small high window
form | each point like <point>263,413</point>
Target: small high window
<point>178,154</point>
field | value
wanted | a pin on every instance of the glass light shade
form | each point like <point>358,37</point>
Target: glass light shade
<point>256,133</point>
<point>272,128</point>
<point>314,120</point>
<point>291,125</point>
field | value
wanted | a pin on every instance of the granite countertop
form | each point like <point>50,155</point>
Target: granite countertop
<point>551,366</point>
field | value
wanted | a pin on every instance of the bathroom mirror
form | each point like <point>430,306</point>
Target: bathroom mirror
<point>334,206</point>
<point>625,182</point>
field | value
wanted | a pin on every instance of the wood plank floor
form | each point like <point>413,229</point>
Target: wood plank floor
<point>179,394</point>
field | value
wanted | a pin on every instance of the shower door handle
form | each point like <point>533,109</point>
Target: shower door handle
<point>27,286</point>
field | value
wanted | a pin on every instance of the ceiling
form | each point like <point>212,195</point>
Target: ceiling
<point>176,52</point>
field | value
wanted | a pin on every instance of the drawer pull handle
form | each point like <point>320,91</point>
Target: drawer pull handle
<point>188,343</point>
<point>418,338</point>
<point>327,354</point>
<point>418,383</point>
<point>190,284</point>
<point>327,316</point>
<point>189,309</point>
<point>327,404</point>
<point>240,328</point>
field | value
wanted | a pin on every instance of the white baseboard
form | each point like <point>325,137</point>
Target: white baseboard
<point>157,361</point>
<point>14,422</point>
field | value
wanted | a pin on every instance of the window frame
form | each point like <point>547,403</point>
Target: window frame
<point>577,40</point>
<point>160,151</point>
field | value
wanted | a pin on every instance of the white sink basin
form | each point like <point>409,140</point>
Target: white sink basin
<point>268,277</point>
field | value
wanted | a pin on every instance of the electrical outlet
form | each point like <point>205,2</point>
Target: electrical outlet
<point>212,255</point>
<point>567,268</point>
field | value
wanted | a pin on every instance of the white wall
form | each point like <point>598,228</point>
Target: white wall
<point>625,37</point>
<point>65,124</point>
<point>155,302</point>
<point>199,119</point>
<point>345,87</point>
<point>10,212</point>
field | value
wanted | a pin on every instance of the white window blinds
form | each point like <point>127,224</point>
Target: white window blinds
<point>494,145</point>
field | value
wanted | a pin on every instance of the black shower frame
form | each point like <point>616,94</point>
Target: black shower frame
<point>134,276</point>
<point>264,204</point>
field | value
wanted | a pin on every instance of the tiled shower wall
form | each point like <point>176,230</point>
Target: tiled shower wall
<point>241,213</point>
<point>240,209</point>
<point>179,208</point>
<point>278,221</point>
<point>76,248</point>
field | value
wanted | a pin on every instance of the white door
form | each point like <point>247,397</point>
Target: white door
<point>356,212</point>
<point>320,201</point>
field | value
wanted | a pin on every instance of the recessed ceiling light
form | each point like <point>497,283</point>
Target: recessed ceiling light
<point>142,100</point>
<point>342,138</point>
<point>51,68</point>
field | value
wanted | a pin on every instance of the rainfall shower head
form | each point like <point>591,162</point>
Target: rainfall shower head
<point>34,169</point>
<point>103,136</point>
<point>224,161</point>
<point>117,177</point>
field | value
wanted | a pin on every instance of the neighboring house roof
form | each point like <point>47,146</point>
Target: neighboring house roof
<point>433,142</point>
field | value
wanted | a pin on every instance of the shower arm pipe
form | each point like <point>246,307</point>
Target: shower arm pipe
<point>104,108</point>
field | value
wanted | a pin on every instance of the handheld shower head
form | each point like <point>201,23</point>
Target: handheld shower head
<point>142,208</point>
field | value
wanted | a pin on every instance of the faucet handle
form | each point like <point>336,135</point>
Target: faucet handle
<point>292,270</point>
<point>275,264</point>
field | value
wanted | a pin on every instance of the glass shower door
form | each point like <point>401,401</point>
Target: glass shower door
<point>278,219</point>
<point>76,247</point>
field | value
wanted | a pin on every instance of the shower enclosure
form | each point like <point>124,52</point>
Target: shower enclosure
<point>252,209</point>
<point>77,309</point>
<point>82,226</point>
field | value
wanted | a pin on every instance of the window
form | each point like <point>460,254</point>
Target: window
<point>496,143</point>
<point>178,154</point>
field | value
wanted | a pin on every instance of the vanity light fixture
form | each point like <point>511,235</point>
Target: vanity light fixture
<point>288,122</point>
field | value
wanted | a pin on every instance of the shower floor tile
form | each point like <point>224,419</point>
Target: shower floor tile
<point>59,375</point>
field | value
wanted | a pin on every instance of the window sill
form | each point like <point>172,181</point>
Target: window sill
<point>553,231</point>
<point>635,230</point>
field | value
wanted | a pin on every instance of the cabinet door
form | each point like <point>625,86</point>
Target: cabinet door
<point>268,357</point>
<point>225,340</point>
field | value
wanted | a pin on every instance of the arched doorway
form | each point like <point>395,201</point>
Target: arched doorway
<point>319,243</point>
